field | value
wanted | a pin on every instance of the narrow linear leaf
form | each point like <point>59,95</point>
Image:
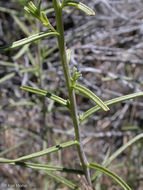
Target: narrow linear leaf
<point>7,77</point>
<point>91,95</point>
<point>118,152</point>
<point>63,181</point>
<point>21,52</point>
<point>31,58</point>
<point>11,75</point>
<point>16,146</point>
<point>109,103</point>
<point>97,174</point>
<point>49,10</point>
<point>47,167</point>
<point>68,52</point>
<point>25,103</point>
<point>41,153</point>
<point>27,40</point>
<point>9,11</point>
<point>130,128</point>
<point>79,6</point>
<point>45,93</point>
<point>17,104</point>
<point>28,70</point>
<point>21,25</point>
<point>10,64</point>
<point>111,174</point>
<point>122,148</point>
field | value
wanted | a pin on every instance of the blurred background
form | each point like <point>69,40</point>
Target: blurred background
<point>108,50</point>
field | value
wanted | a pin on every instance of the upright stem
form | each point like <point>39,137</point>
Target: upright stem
<point>73,105</point>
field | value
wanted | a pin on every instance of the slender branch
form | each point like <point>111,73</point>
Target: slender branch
<point>73,105</point>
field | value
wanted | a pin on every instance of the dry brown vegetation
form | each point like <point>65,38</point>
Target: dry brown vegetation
<point>108,50</point>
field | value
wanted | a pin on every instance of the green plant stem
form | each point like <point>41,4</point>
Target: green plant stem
<point>73,106</point>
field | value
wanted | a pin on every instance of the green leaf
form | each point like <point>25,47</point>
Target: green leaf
<point>16,146</point>
<point>40,153</point>
<point>11,75</point>
<point>10,64</point>
<point>27,40</point>
<point>79,6</point>
<point>110,174</point>
<point>39,5</point>
<point>43,18</point>
<point>119,151</point>
<point>9,11</point>
<point>130,128</point>
<point>21,52</point>
<point>32,9</point>
<point>75,76</point>
<point>122,148</point>
<point>23,103</point>
<point>63,180</point>
<point>21,25</point>
<point>27,10</point>
<point>109,103</point>
<point>45,93</point>
<point>97,174</point>
<point>68,52</point>
<point>40,15</point>
<point>47,167</point>
<point>17,104</point>
<point>7,77</point>
<point>91,95</point>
